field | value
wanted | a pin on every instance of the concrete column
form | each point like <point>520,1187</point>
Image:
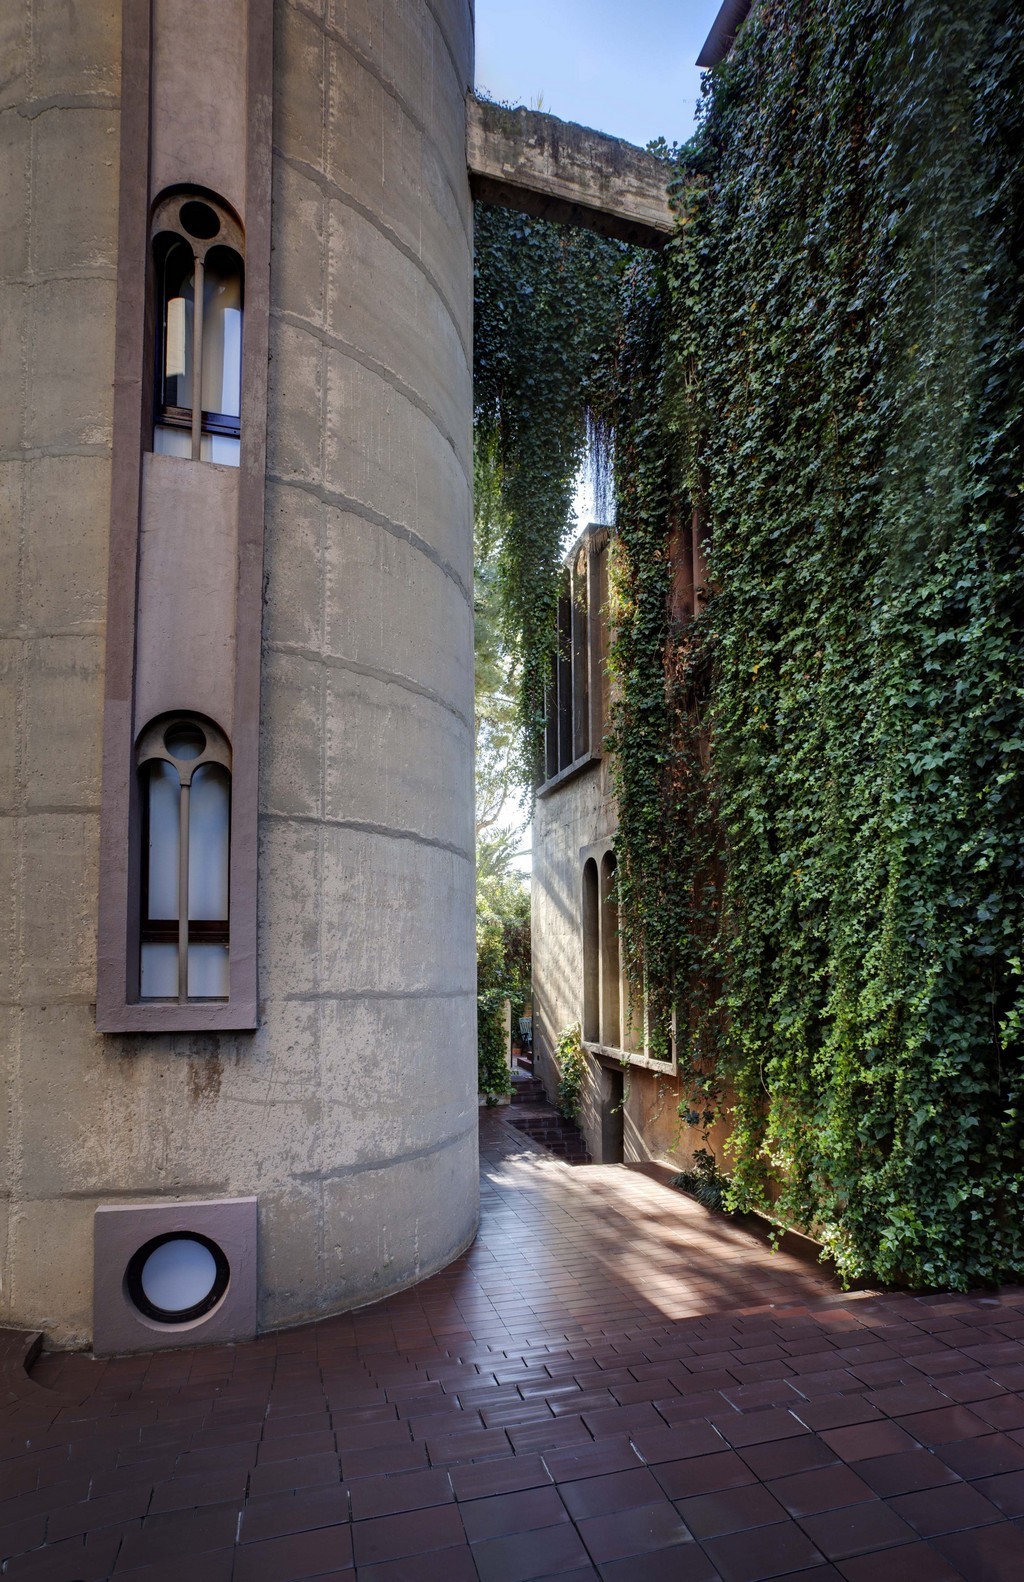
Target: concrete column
<point>369,958</point>
<point>351,1112</point>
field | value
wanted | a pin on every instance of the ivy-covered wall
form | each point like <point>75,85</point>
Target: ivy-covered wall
<point>843,375</point>
<point>821,842</point>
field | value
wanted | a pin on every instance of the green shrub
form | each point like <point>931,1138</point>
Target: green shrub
<point>503,972</point>
<point>571,1060</point>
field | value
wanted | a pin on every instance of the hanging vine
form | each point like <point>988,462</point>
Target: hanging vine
<point>545,319</point>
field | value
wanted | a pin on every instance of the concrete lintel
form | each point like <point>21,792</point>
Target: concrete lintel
<point>556,170</point>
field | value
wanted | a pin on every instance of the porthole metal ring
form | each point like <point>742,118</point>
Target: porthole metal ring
<point>141,1256</point>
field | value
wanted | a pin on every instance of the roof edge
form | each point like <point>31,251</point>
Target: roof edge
<point>730,18</point>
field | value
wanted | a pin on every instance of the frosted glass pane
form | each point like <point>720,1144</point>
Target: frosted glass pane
<point>208,972</point>
<point>179,1274</point>
<point>220,448</point>
<point>222,335</point>
<point>179,306</point>
<point>164,790</point>
<point>175,349</point>
<point>159,972</point>
<point>172,441</point>
<point>208,831</point>
<point>227,375</point>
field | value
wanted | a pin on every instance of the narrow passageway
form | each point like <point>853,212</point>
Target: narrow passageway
<point>611,1383</point>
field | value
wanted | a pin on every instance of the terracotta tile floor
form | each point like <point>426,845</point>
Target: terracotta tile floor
<point>610,1384</point>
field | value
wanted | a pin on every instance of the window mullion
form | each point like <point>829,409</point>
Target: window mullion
<point>197,358</point>
<point>183,893</point>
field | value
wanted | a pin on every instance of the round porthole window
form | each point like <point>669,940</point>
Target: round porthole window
<point>185,740</point>
<point>199,220</point>
<point>177,1277</point>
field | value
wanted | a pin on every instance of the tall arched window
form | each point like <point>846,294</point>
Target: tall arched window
<point>197,255</point>
<point>591,954</point>
<point>610,968</point>
<point>617,1018</point>
<point>184,766</point>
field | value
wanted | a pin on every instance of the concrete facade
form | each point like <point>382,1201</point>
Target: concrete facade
<point>350,1113</point>
<point>629,1110</point>
<point>631,1100</point>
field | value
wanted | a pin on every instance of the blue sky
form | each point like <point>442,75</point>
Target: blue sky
<point>627,69</point>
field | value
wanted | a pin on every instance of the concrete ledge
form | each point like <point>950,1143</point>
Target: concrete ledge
<point>522,159</point>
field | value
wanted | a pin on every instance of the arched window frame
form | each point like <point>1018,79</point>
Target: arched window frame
<point>615,1020</point>
<point>168,229</point>
<point>151,749</point>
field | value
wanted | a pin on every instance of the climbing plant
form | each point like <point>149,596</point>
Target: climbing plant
<point>821,772</point>
<point>503,966</point>
<point>545,316</point>
<point>844,392</point>
<point>571,1060</point>
<point>656,767</point>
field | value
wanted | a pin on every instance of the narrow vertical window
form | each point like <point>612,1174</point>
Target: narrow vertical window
<point>563,676</point>
<point>197,248</point>
<point>184,766</point>
<point>573,686</point>
<point>591,954</point>
<point>611,1028</point>
<point>580,668</point>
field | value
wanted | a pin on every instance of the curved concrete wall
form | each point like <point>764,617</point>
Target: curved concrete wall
<point>351,1113</point>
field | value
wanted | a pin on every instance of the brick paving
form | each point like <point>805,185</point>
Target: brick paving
<point>610,1384</point>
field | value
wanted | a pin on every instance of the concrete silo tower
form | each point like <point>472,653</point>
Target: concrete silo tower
<point>236,622</point>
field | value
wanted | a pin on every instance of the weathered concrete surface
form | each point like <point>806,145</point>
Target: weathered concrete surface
<point>556,170</point>
<point>367,827</point>
<point>351,1112</point>
<point>577,816</point>
<point>59,125</point>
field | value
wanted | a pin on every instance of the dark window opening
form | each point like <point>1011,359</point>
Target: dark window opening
<point>573,704</point>
<point>200,300</point>
<point>616,1014</point>
<point>591,955</point>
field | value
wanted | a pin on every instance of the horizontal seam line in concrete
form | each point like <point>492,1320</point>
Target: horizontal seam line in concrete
<point>386,677</point>
<point>29,109</point>
<point>45,810</point>
<point>90,629</point>
<point>47,452</point>
<point>392,91</point>
<point>331,189</point>
<point>365,360</point>
<point>341,1171</point>
<point>366,827</point>
<point>221,1188</point>
<point>42,1002</point>
<point>342,996</point>
<point>344,502</point>
<point>46,277</point>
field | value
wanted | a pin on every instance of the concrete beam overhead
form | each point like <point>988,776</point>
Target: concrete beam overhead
<point>526,160</point>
